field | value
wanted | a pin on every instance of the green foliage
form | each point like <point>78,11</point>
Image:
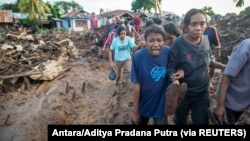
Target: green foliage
<point>101,10</point>
<point>242,13</point>
<point>247,10</point>
<point>208,10</point>
<point>35,8</point>
<point>54,10</point>
<point>143,5</point>
<point>239,3</point>
<point>10,6</point>
<point>65,7</point>
<point>27,22</point>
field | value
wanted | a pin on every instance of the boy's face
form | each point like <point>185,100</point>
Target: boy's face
<point>154,43</point>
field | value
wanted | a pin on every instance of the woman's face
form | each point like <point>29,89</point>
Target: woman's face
<point>154,43</point>
<point>169,39</point>
<point>197,26</point>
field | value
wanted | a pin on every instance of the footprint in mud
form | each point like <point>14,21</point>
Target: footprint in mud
<point>112,117</point>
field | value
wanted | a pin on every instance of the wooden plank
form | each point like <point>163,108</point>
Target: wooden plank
<point>19,75</point>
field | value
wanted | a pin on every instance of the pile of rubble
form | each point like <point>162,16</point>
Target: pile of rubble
<point>231,33</point>
<point>26,58</point>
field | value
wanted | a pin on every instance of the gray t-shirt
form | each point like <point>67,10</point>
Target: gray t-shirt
<point>194,60</point>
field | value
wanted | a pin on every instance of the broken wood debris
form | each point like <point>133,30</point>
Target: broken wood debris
<point>25,57</point>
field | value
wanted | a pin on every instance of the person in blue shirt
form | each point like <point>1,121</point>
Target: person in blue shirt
<point>233,93</point>
<point>149,77</point>
<point>120,50</point>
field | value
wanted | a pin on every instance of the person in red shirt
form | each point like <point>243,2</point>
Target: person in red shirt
<point>137,23</point>
<point>93,22</point>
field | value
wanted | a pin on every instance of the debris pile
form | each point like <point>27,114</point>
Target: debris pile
<point>25,58</point>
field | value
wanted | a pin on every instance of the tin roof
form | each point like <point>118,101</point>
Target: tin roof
<point>123,13</point>
<point>76,14</point>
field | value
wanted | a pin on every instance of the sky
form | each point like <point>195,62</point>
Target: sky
<point>178,7</point>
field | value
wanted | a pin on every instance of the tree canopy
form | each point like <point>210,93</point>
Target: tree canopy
<point>35,8</point>
<point>10,6</point>
<point>143,5</point>
<point>208,10</point>
<point>65,6</point>
<point>239,3</point>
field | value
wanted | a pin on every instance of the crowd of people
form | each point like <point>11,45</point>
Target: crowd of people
<point>171,69</point>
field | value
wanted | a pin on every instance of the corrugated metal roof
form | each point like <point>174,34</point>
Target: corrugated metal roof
<point>79,14</point>
<point>117,13</point>
<point>121,13</point>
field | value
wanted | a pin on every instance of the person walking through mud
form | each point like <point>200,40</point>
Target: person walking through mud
<point>149,78</point>
<point>121,48</point>
<point>192,53</point>
<point>99,42</point>
<point>93,22</point>
<point>233,93</point>
<point>215,45</point>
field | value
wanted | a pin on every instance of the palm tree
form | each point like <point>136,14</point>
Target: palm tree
<point>157,7</point>
<point>239,3</point>
<point>101,11</point>
<point>147,5</point>
<point>34,8</point>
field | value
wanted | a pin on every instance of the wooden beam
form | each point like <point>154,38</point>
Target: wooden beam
<point>19,75</point>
